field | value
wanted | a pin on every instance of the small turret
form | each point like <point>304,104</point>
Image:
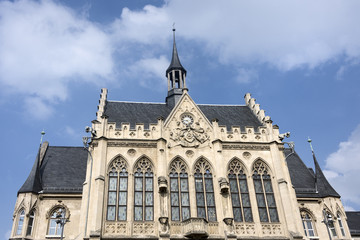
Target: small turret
<point>176,75</point>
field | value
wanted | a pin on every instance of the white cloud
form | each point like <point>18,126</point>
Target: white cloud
<point>246,75</point>
<point>38,108</point>
<point>343,167</point>
<point>44,46</point>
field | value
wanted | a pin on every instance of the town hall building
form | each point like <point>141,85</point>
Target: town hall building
<point>177,170</point>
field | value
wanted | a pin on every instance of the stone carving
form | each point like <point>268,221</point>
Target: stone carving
<point>131,152</point>
<point>132,144</point>
<point>245,229</point>
<point>115,228</point>
<point>259,147</point>
<point>118,165</point>
<point>176,228</point>
<point>271,229</point>
<point>247,155</point>
<point>188,135</point>
<point>189,153</point>
<point>213,228</point>
<point>144,228</point>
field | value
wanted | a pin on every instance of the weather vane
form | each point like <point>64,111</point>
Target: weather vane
<point>174,26</point>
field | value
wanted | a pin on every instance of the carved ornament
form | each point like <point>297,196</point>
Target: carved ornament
<point>188,135</point>
<point>246,147</point>
<point>132,144</point>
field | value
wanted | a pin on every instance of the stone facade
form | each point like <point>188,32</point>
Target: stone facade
<point>181,176</point>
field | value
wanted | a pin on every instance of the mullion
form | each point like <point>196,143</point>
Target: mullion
<point>138,206</point>
<point>240,198</point>
<point>265,198</point>
<point>199,177</point>
<point>205,197</point>
<point>210,193</point>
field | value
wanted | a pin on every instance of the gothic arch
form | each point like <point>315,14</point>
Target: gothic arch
<point>236,164</point>
<point>118,162</point>
<point>261,166</point>
<point>182,164</point>
<point>141,162</point>
<point>204,163</point>
<point>56,206</point>
<point>308,211</point>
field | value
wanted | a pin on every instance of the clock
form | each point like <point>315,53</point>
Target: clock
<point>187,119</point>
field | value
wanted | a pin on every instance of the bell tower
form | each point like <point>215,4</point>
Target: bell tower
<point>176,75</point>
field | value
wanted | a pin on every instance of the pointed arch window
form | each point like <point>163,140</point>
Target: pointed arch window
<point>340,224</point>
<point>239,192</point>
<point>30,223</point>
<point>330,224</point>
<point>20,222</point>
<point>55,227</point>
<point>308,224</point>
<point>117,190</point>
<point>205,200</point>
<point>144,191</point>
<point>264,193</point>
<point>179,191</point>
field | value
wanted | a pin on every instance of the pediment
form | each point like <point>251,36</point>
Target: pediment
<point>187,126</point>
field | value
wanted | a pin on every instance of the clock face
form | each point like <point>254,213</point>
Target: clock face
<point>187,119</point>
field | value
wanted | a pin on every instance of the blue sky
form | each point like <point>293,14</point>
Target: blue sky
<point>299,59</point>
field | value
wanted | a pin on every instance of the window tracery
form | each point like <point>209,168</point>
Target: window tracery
<point>117,190</point>
<point>239,192</point>
<point>179,191</point>
<point>308,224</point>
<point>264,193</point>
<point>205,199</point>
<point>144,190</point>
<point>20,222</point>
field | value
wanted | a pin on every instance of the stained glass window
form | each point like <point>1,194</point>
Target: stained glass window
<point>179,191</point>
<point>144,191</point>
<point>264,193</point>
<point>341,224</point>
<point>205,199</point>
<point>117,190</point>
<point>239,192</point>
<point>54,227</point>
<point>307,224</point>
<point>30,223</point>
<point>20,222</point>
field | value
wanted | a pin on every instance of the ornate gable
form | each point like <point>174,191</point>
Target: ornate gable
<point>187,125</point>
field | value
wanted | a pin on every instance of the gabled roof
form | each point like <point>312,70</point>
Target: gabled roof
<point>353,221</point>
<point>303,179</point>
<point>146,113</point>
<point>62,170</point>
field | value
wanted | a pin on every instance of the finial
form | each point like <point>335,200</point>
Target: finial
<point>174,26</point>
<point>309,141</point>
<point>42,135</point>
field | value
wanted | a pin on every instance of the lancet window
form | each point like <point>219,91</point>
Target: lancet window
<point>117,190</point>
<point>179,191</point>
<point>239,192</point>
<point>20,222</point>
<point>331,225</point>
<point>30,223</point>
<point>308,224</point>
<point>144,191</point>
<point>205,200</point>
<point>264,193</point>
<point>55,227</point>
<point>341,224</point>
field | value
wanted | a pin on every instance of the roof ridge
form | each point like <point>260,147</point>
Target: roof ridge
<point>225,105</point>
<point>135,102</point>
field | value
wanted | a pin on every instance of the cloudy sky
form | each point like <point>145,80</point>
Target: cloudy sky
<point>299,59</point>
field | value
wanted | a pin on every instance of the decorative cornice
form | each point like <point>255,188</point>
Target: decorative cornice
<point>259,147</point>
<point>132,144</point>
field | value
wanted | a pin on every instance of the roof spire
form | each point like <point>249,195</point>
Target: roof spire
<point>176,75</point>
<point>317,167</point>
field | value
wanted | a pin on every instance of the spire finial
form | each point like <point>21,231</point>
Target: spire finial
<point>309,141</point>
<point>174,27</point>
<point>42,135</point>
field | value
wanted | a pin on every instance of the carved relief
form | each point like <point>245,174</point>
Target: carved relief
<point>189,153</point>
<point>245,229</point>
<point>176,228</point>
<point>115,228</point>
<point>213,228</point>
<point>132,144</point>
<point>247,155</point>
<point>187,135</point>
<point>271,229</point>
<point>144,228</point>
<point>131,152</point>
<point>246,147</point>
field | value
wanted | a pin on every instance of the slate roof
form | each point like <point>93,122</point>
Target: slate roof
<point>62,171</point>
<point>131,112</point>
<point>353,221</point>
<point>303,178</point>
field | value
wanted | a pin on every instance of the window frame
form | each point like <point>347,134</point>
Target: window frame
<point>21,219</point>
<point>236,173</point>
<point>261,174</point>
<point>31,223</point>
<point>178,172</point>
<point>307,217</point>
<point>203,172</point>
<point>53,219</point>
